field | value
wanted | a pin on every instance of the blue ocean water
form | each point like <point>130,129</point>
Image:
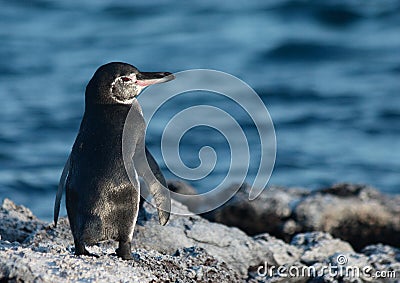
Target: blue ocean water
<point>328,71</point>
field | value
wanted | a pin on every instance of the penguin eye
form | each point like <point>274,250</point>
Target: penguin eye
<point>125,79</point>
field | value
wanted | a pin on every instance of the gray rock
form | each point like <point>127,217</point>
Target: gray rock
<point>229,245</point>
<point>181,187</point>
<point>188,249</point>
<point>354,213</point>
<point>318,246</point>
<point>17,222</point>
<point>185,189</point>
<point>46,255</point>
<point>270,212</point>
<point>188,265</point>
<point>357,214</point>
<point>353,267</point>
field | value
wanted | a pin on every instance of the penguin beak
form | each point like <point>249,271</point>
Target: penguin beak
<point>149,78</point>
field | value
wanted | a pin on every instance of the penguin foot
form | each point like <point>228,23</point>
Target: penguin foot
<point>81,250</point>
<point>86,253</point>
<point>92,255</point>
<point>124,251</point>
<point>123,255</point>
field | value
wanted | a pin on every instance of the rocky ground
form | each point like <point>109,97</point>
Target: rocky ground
<point>192,249</point>
<point>358,214</point>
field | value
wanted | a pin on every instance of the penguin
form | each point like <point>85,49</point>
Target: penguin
<point>102,201</point>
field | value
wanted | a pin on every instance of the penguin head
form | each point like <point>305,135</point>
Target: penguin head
<point>120,83</point>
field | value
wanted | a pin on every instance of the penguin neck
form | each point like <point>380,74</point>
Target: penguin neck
<point>107,111</point>
<point>105,117</point>
<point>108,117</point>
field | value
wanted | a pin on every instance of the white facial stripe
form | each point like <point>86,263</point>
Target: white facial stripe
<point>119,79</point>
<point>121,83</point>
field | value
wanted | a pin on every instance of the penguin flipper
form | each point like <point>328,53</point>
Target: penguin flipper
<point>147,167</point>
<point>61,188</point>
<point>159,189</point>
